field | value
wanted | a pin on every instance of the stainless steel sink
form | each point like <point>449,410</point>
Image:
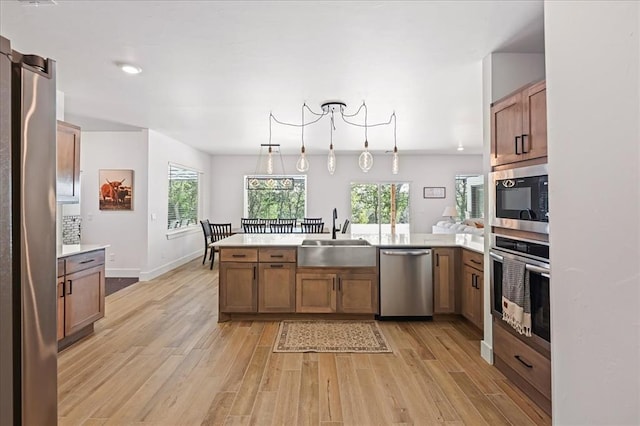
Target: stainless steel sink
<point>335,243</point>
<point>336,253</point>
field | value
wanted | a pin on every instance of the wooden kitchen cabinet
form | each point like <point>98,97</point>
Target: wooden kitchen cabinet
<point>80,289</point>
<point>337,292</point>
<point>68,163</point>
<point>316,293</point>
<point>444,280</point>
<point>519,126</point>
<point>472,287</point>
<point>357,293</point>
<point>238,286</point>
<point>83,299</point>
<point>277,280</point>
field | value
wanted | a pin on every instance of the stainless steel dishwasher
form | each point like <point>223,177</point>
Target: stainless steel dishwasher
<point>406,283</point>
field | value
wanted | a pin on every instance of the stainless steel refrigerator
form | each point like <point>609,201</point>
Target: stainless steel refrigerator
<point>28,345</point>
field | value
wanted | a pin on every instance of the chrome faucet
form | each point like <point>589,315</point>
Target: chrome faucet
<point>333,226</point>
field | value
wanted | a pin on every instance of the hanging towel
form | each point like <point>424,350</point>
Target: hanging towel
<point>516,296</point>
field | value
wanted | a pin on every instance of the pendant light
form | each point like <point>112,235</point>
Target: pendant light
<point>302,165</point>
<point>395,164</point>
<point>365,161</point>
<point>331,159</point>
<point>270,161</point>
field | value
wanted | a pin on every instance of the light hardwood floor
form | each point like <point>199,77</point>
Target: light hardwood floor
<point>160,357</point>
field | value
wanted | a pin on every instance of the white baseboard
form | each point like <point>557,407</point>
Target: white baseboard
<point>486,351</point>
<point>156,272</point>
<point>122,272</point>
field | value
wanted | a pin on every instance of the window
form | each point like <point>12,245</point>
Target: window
<point>380,207</point>
<point>275,197</point>
<point>470,196</point>
<point>183,197</point>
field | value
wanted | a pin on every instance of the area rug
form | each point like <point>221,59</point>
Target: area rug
<point>330,336</point>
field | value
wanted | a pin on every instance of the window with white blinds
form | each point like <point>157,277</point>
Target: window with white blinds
<point>183,197</point>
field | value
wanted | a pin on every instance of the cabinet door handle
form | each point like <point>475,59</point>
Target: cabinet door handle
<point>516,144</point>
<point>523,362</point>
<point>87,261</point>
<point>276,265</point>
<point>61,290</point>
<point>437,259</point>
<point>333,287</point>
<point>238,255</point>
<point>475,261</point>
<point>254,273</point>
<point>70,287</point>
<point>339,284</point>
<point>473,280</point>
<point>277,256</point>
<point>523,150</point>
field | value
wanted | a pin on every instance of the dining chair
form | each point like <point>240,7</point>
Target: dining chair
<point>208,239</point>
<point>312,227</point>
<point>246,220</point>
<point>312,220</point>
<point>254,228</point>
<point>218,232</point>
<point>292,221</point>
<point>281,228</point>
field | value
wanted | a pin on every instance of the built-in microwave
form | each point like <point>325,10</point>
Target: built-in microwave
<point>521,199</point>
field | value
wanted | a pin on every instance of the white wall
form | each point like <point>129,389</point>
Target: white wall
<point>510,71</point>
<point>592,55</point>
<point>165,254</point>
<point>125,231</point>
<point>325,192</point>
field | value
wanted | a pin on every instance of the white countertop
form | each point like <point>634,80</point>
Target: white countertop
<point>71,249</point>
<point>469,241</point>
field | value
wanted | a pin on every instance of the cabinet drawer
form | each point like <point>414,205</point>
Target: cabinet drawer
<point>528,363</point>
<point>277,255</point>
<point>239,255</point>
<point>473,259</point>
<point>80,262</point>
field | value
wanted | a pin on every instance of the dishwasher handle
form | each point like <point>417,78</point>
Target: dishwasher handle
<point>406,252</point>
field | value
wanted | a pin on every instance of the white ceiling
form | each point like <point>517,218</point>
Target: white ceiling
<point>212,71</point>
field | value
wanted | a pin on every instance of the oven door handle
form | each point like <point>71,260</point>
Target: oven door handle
<point>545,272</point>
<point>496,256</point>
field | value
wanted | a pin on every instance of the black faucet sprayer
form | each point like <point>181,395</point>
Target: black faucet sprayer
<point>333,226</point>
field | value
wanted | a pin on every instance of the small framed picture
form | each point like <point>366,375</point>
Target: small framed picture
<point>115,189</point>
<point>434,192</point>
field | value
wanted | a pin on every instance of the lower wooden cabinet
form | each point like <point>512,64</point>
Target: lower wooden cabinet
<point>472,287</point>
<point>348,293</point>
<point>316,293</point>
<point>277,287</point>
<point>444,280</point>
<point>80,290</point>
<point>238,287</point>
<point>84,299</point>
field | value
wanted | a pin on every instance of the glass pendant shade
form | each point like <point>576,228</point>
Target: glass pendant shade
<point>395,165</point>
<point>365,161</point>
<point>270,162</point>
<point>302,165</point>
<point>331,160</point>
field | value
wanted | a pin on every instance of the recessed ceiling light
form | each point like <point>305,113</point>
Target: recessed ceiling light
<point>130,69</point>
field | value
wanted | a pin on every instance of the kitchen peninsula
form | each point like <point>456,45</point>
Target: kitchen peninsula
<point>260,277</point>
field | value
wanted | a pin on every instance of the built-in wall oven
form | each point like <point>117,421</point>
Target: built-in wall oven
<point>535,256</point>
<point>521,199</point>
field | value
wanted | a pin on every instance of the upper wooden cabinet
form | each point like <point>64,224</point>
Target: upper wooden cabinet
<point>519,126</point>
<point>68,163</point>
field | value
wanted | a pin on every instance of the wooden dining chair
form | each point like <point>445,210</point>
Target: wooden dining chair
<point>208,239</point>
<point>312,227</point>
<point>254,228</point>
<point>218,232</point>
<point>246,220</point>
<point>281,228</point>
<point>312,220</point>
